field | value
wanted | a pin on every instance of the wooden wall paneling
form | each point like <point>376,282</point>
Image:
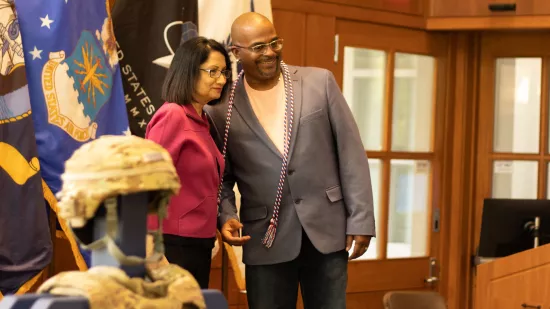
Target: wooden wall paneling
<point>488,23</point>
<point>447,157</point>
<point>465,8</point>
<point>477,8</point>
<point>387,281</point>
<point>471,8</point>
<point>440,8</point>
<point>291,26</point>
<point>539,7</point>
<point>457,227</point>
<point>517,43</point>
<point>371,300</point>
<point>320,34</point>
<point>440,113</point>
<point>388,37</point>
<point>484,142</point>
<point>316,7</point>
<point>413,7</point>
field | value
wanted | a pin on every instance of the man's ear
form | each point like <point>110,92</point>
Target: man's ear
<point>236,52</point>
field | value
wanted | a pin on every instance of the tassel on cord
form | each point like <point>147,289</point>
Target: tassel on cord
<point>269,236</point>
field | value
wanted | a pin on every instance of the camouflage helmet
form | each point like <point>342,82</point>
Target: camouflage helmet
<point>167,287</point>
<point>110,166</point>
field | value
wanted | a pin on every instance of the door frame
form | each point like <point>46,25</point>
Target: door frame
<point>500,45</point>
<point>391,40</point>
<point>460,170</point>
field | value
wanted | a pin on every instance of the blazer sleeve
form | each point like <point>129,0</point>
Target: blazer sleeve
<point>228,207</point>
<point>166,132</point>
<point>353,163</point>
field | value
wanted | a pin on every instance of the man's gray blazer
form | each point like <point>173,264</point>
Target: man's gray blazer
<point>327,191</point>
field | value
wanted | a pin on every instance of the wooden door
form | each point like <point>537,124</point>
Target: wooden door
<point>413,7</point>
<point>513,141</point>
<point>513,153</point>
<point>393,79</point>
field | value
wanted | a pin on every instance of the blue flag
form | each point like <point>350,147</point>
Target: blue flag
<point>25,242</point>
<point>74,80</point>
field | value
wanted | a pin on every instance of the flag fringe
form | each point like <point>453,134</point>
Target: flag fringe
<point>52,201</point>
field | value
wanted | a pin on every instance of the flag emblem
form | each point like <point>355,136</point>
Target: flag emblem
<point>87,78</point>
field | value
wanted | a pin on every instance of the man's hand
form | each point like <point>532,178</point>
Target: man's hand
<point>230,233</point>
<point>361,245</point>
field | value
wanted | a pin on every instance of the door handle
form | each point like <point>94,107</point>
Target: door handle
<point>432,278</point>
<point>530,306</point>
<point>502,7</point>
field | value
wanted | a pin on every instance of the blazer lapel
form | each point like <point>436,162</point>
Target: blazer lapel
<point>242,104</point>
<point>297,89</point>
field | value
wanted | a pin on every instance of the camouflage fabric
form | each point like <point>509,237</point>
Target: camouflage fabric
<point>111,166</point>
<point>108,287</point>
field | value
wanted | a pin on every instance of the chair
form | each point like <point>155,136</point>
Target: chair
<point>413,300</point>
<point>214,299</point>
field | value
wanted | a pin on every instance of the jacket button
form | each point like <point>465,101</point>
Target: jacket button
<point>290,172</point>
<point>298,200</point>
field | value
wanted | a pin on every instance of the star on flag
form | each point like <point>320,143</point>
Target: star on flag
<point>46,21</point>
<point>35,53</point>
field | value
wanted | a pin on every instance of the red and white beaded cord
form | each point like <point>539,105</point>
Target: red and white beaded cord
<point>269,237</point>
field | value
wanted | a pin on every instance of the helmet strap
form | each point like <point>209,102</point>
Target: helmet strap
<point>108,240</point>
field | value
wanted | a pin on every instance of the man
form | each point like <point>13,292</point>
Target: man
<point>294,150</point>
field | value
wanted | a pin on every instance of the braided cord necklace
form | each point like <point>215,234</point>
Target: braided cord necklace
<point>269,236</point>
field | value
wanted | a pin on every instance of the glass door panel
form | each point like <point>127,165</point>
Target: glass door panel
<point>364,84</point>
<point>413,100</point>
<point>517,105</point>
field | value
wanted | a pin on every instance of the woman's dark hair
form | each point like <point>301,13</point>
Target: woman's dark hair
<point>184,72</point>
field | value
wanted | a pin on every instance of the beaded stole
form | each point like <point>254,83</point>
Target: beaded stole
<point>269,237</point>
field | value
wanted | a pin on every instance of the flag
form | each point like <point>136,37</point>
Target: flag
<point>147,31</point>
<point>25,242</point>
<point>75,85</point>
<point>216,17</point>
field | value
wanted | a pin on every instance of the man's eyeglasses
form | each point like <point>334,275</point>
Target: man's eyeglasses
<point>275,45</point>
<point>215,73</point>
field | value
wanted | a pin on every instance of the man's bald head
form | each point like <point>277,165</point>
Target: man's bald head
<point>248,26</point>
<point>257,47</point>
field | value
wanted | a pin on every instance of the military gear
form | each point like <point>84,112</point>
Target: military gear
<point>109,287</point>
<point>110,166</point>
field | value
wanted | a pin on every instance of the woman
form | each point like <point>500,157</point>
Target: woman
<point>199,75</point>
